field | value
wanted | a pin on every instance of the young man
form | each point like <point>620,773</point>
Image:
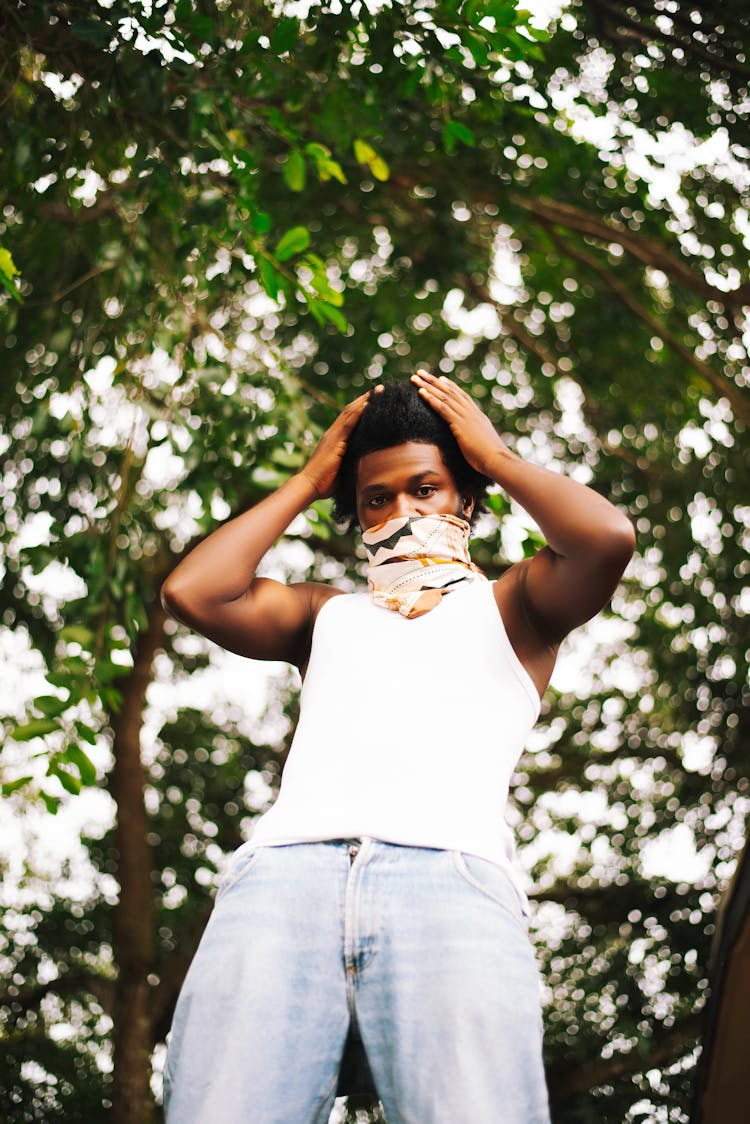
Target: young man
<point>379,891</point>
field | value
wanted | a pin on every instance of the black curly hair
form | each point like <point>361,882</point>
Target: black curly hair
<point>395,415</point>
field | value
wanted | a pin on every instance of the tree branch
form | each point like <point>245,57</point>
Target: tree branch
<point>720,383</point>
<point>649,33</point>
<point>645,250</point>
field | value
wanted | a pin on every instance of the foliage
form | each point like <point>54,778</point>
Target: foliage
<point>227,222</point>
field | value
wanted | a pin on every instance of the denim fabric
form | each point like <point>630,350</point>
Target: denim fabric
<point>428,950</point>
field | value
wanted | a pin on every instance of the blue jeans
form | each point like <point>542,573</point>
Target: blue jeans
<point>428,950</point>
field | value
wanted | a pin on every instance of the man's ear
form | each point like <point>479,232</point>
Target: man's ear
<point>468,502</point>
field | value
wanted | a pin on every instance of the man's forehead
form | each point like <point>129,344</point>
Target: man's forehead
<point>410,459</point>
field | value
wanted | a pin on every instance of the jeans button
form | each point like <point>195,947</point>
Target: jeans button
<point>353,852</point>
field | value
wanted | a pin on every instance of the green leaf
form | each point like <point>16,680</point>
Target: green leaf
<point>322,311</point>
<point>315,262</point>
<point>294,241</point>
<point>295,170</point>
<point>325,166</point>
<point>532,543</point>
<point>365,154</point>
<point>51,803</point>
<point>380,169</point>
<point>77,634</point>
<point>463,133</point>
<point>106,671</point>
<point>453,54</point>
<point>317,151</point>
<point>86,732</point>
<point>269,277</point>
<point>320,282</point>
<point>13,786</point>
<point>92,31</point>
<point>322,531</point>
<point>261,222</point>
<point>538,33</point>
<point>503,13</point>
<point>201,27</point>
<point>7,266</point>
<point>333,170</point>
<point>73,685</point>
<point>75,666</point>
<point>203,104</point>
<point>497,503</point>
<point>509,42</point>
<point>70,783</point>
<point>455,131</point>
<point>51,705</point>
<point>285,35</point>
<point>82,762</point>
<point>112,698</point>
<point>474,11</point>
<point>38,728</point>
<point>8,272</point>
<point>323,288</point>
<point>478,47</point>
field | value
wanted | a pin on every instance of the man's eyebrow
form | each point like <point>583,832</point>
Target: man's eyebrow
<point>416,479</point>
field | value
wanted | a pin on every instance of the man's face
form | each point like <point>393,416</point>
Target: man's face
<point>410,479</point>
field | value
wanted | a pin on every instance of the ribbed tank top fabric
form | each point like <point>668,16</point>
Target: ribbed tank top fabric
<point>409,729</point>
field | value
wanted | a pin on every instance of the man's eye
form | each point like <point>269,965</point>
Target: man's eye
<point>426,490</point>
<point>377,501</point>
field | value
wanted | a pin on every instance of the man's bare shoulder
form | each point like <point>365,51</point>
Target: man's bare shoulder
<point>315,595</point>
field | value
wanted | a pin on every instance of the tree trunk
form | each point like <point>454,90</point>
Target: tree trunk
<point>132,1102</point>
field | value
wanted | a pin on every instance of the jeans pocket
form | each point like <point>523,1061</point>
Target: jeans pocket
<point>241,863</point>
<point>492,881</point>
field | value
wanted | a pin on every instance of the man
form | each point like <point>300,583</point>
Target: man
<point>379,892</point>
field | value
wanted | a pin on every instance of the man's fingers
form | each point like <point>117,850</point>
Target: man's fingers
<point>436,393</point>
<point>437,383</point>
<point>425,381</point>
<point>439,389</point>
<point>350,415</point>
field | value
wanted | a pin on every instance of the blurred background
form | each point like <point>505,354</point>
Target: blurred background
<point>223,220</point>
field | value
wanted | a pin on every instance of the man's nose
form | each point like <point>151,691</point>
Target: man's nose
<point>403,504</point>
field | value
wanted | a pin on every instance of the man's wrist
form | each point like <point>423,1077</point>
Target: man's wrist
<point>497,462</point>
<point>308,485</point>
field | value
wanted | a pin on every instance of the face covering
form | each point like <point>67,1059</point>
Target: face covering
<point>414,561</point>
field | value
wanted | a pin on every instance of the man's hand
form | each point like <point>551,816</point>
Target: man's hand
<point>323,467</point>
<point>473,430</point>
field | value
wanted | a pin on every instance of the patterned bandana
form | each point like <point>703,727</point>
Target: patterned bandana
<point>413,562</point>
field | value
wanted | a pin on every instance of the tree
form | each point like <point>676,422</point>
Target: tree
<point>227,222</point>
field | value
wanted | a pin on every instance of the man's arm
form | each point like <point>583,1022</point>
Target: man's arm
<point>215,591</point>
<point>589,541</point>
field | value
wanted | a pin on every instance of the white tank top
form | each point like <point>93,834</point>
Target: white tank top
<point>409,729</point>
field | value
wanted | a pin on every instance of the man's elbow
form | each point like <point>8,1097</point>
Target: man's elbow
<point>171,600</point>
<point>620,542</point>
